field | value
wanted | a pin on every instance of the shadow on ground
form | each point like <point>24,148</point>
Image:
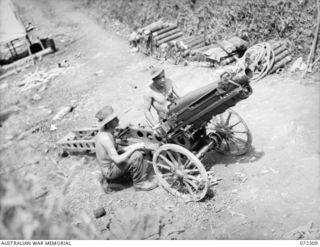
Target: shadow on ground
<point>214,158</point>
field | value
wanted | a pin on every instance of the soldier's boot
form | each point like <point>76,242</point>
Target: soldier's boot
<point>145,185</point>
<point>139,173</point>
<point>108,185</point>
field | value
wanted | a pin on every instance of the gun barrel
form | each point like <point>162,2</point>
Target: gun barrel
<point>200,105</point>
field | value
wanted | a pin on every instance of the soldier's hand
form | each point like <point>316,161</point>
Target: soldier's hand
<point>139,145</point>
<point>155,130</point>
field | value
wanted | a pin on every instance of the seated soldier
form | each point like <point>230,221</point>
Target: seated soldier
<point>114,165</point>
<point>159,95</point>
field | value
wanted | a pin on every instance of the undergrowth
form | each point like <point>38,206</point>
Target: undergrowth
<point>254,21</point>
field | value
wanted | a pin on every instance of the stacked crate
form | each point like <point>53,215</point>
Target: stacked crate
<point>226,51</point>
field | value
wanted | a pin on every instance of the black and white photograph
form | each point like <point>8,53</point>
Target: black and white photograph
<point>159,120</point>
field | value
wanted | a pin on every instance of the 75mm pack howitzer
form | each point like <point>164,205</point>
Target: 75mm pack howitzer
<point>196,123</point>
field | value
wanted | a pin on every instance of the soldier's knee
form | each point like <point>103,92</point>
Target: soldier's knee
<point>136,155</point>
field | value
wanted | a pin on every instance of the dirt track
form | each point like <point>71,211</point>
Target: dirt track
<point>263,195</point>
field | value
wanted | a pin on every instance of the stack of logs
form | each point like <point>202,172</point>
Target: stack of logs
<point>153,38</point>
<point>282,55</point>
<point>166,41</point>
<point>189,48</point>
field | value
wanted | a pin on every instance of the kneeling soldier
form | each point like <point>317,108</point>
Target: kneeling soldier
<point>114,165</point>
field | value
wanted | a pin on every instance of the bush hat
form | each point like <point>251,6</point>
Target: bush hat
<point>106,115</point>
<point>155,72</point>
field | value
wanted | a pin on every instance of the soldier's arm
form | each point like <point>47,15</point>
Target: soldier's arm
<point>107,142</point>
<point>147,108</point>
<point>174,89</point>
<point>175,92</point>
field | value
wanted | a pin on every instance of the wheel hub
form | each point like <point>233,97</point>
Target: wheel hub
<point>179,173</point>
<point>224,131</point>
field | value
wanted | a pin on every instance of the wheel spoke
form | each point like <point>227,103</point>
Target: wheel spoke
<point>188,164</point>
<point>228,118</point>
<point>164,166</point>
<point>221,119</point>
<point>167,175</point>
<point>234,124</point>
<point>167,161</point>
<point>192,170</point>
<point>190,177</point>
<point>172,158</point>
<point>192,184</point>
<point>228,145</point>
<point>189,190</point>
<point>179,158</point>
<point>238,140</point>
<point>240,132</point>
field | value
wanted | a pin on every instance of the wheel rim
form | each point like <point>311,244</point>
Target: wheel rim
<point>235,136</point>
<point>180,172</point>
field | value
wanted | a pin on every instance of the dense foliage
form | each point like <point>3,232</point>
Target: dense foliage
<point>254,21</point>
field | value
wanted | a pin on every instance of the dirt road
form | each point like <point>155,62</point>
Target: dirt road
<point>262,195</point>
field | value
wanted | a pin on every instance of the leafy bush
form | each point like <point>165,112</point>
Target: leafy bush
<point>254,21</point>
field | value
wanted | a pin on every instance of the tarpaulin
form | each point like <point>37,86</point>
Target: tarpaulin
<point>11,27</point>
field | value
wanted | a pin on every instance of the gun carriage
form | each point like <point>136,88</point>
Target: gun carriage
<point>196,123</point>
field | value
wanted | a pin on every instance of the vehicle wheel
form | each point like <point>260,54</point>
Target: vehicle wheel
<point>180,172</point>
<point>234,133</point>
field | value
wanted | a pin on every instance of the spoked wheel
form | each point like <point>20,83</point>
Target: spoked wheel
<point>234,133</point>
<point>260,59</point>
<point>180,172</point>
